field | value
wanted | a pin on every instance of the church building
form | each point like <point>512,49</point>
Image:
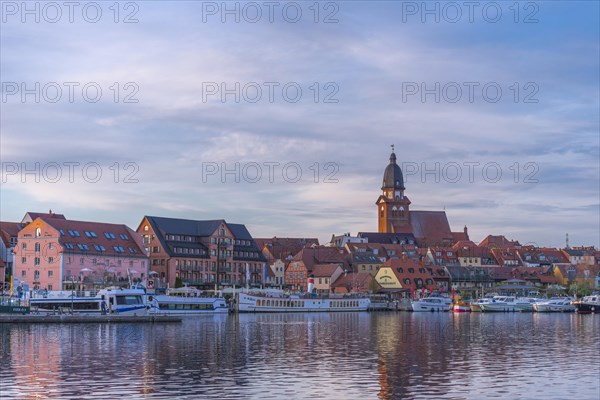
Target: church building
<point>396,221</point>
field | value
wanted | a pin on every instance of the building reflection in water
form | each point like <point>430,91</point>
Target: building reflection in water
<point>320,356</point>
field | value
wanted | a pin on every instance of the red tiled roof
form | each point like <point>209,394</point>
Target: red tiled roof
<point>324,270</point>
<point>431,227</point>
<point>321,255</point>
<point>499,241</point>
<point>281,248</point>
<point>357,281</point>
<point>8,230</point>
<point>400,267</point>
<point>131,238</point>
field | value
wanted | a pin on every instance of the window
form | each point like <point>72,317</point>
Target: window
<point>36,261</point>
<point>109,235</point>
<point>124,236</point>
<point>23,245</point>
<point>81,261</point>
<point>23,273</point>
<point>62,233</point>
<point>38,232</point>
<point>36,275</point>
<point>49,287</point>
<point>146,228</point>
<point>68,245</point>
<point>50,260</point>
<point>23,260</point>
<point>50,273</point>
<point>37,246</point>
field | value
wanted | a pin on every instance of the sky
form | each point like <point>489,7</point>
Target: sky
<point>280,115</point>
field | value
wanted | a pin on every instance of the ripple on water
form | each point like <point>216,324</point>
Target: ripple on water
<point>319,356</point>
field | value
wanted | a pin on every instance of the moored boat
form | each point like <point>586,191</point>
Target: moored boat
<point>589,304</point>
<point>555,304</point>
<point>247,302</point>
<point>187,301</point>
<point>106,301</point>
<point>432,304</point>
<point>499,304</point>
<point>461,307</point>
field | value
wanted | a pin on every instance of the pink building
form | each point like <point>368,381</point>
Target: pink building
<point>60,254</point>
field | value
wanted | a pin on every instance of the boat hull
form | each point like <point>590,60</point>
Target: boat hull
<point>491,307</point>
<point>585,308</point>
<point>461,309</point>
<point>183,306</point>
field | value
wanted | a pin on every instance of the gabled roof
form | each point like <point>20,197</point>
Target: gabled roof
<point>358,281</point>
<point>498,241</point>
<point>281,248</point>
<point>8,230</point>
<point>74,233</point>
<point>324,270</point>
<point>432,227</point>
<point>185,226</point>
<point>31,216</point>
<point>321,255</point>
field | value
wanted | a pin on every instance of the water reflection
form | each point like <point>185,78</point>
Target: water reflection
<point>340,355</point>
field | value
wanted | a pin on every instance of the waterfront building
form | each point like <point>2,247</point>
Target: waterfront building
<point>279,251</point>
<point>342,240</point>
<point>395,218</point>
<point>356,282</point>
<point>204,254</point>
<point>9,232</point>
<point>54,253</point>
<point>405,275</point>
<point>325,276</point>
<point>302,264</point>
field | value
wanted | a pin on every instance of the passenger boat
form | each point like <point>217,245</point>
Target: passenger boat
<point>499,304</point>
<point>555,304</point>
<point>247,302</point>
<point>107,301</point>
<point>432,304</point>
<point>187,301</point>
<point>589,304</point>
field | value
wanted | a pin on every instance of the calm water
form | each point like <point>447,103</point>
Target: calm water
<point>315,356</point>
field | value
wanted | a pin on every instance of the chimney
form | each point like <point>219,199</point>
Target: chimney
<point>465,229</point>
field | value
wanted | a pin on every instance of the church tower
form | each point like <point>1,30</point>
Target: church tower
<point>392,206</point>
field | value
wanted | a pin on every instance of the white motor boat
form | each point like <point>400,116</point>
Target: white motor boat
<point>555,304</point>
<point>432,304</point>
<point>107,301</point>
<point>589,304</point>
<point>187,301</point>
<point>499,304</point>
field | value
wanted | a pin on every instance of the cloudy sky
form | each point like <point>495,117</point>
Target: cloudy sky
<point>281,115</point>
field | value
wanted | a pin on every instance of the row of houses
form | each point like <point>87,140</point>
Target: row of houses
<point>49,251</point>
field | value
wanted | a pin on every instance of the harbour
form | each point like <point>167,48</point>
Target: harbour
<point>382,355</point>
